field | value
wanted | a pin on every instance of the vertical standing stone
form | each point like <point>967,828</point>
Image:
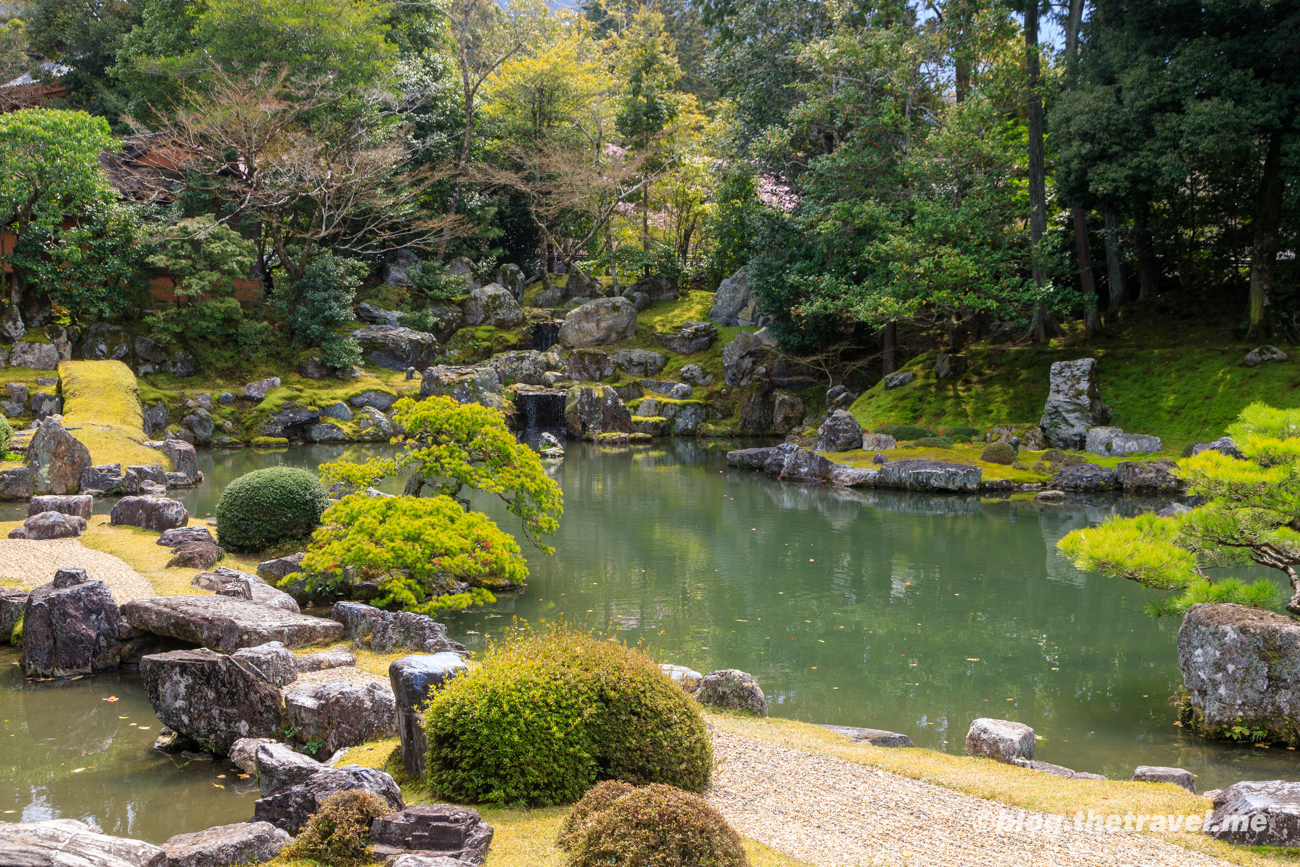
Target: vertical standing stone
<point>71,626</point>
<point>414,680</point>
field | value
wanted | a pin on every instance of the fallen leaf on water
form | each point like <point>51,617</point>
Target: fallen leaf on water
<point>218,785</point>
<point>111,698</point>
<point>221,776</point>
<point>77,770</point>
<point>243,776</point>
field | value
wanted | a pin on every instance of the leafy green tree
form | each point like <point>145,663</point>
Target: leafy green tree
<point>14,44</point>
<point>319,303</point>
<point>203,256</point>
<point>1250,515</point>
<point>74,244</point>
<point>86,36</point>
<point>426,554</point>
<point>451,446</point>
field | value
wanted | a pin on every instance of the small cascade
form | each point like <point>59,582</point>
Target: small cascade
<point>541,410</point>
<point>545,334</point>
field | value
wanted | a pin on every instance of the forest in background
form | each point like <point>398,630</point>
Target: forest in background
<point>895,175</point>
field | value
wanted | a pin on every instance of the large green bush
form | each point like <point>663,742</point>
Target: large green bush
<point>651,826</point>
<point>549,714</point>
<point>999,453</point>
<point>269,506</point>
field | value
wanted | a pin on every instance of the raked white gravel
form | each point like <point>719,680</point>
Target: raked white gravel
<point>33,563</point>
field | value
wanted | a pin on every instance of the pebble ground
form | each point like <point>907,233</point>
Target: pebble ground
<point>833,813</point>
<point>32,563</point>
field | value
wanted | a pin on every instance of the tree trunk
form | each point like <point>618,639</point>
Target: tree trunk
<point>1148,267</point>
<point>1091,317</point>
<point>1114,269</point>
<point>1268,217</point>
<point>1037,177</point>
<point>888,340</point>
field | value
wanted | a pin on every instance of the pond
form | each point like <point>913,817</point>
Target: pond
<point>900,611</point>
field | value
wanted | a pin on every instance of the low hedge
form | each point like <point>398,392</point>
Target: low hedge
<point>265,507</point>
<point>903,432</point>
<point>549,714</point>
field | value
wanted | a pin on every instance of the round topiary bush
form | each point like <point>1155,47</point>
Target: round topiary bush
<point>598,798</point>
<point>652,826</point>
<point>999,453</point>
<point>903,432</point>
<point>549,714</point>
<point>337,833</point>
<point>269,506</point>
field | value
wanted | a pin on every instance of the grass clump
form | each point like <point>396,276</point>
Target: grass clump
<point>650,826</point>
<point>338,833</point>
<point>549,714</point>
<point>999,453</point>
<point>269,506</point>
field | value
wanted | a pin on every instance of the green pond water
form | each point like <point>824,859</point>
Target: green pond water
<point>890,610</point>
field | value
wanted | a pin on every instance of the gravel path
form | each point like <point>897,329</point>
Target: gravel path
<point>834,813</point>
<point>34,563</point>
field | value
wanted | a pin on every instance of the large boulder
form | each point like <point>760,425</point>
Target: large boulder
<point>1241,667</point>
<point>748,358</point>
<point>750,459</point>
<point>1073,404</point>
<point>788,412</point>
<point>226,845</point>
<point>841,432</point>
<point>731,689</point>
<point>397,348</point>
<point>734,304</point>
<point>275,662</point>
<point>689,337</point>
<point>37,356</point>
<point>226,624</point>
<point>1087,478</point>
<point>242,585</point>
<point>105,479</point>
<point>56,459</point>
<point>639,362</point>
<point>50,525</point>
<point>71,627</point>
<point>853,477</point>
<point>16,483</point>
<point>385,631</point>
<point>279,766</point>
<point>195,555</point>
<point>1261,354</point>
<point>1257,813</point>
<point>1000,739</point>
<point>1149,477</point>
<point>178,536</point>
<point>794,463</point>
<point>589,365</point>
<point>414,679</point>
<point>211,698</point>
<point>432,830</point>
<point>373,426</point>
<point>151,513</point>
<point>258,390</point>
<point>465,384</point>
<point>339,713</point>
<point>599,322</point>
<point>290,808</point>
<point>183,458</point>
<point>78,505</point>
<point>589,410</point>
<point>921,475</point>
<point>1113,442</point>
<point>527,366</point>
<point>69,843</point>
<point>493,305</point>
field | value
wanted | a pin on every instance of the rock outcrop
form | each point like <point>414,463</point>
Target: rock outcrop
<point>275,662</point>
<point>589,410</point>
<point>434,830</point>
<point>242,585</point>
<point>934,476</point>
<point>1156,774</point>
<point>1113,442</point>
<point>339,713</point>
<point>598,323</point>
<point>50,525</point>
<point>78,505</point>
<point>227,624</point>
<point>279,766</point>
<point>465,384</point>
<point>1073,404</point>
<point>493,305</point>
<point>1149,477</point>
<point>1087,478</point>
<point>748,358</point>
<point>1241,667</point>
<point>397,347</point>
<point>226,845</point>
<point>1257,813</point>
<point>734,304</point>
<point>689,337</point>
<point>839,433</point>
<point>414,679</point>
<point>793,463</point>
<point>385,631</point>
<point>69,843</point>
<point>875,737</point>
<point>56,458</point>
<point>71,627</point>
<point>211,698</point>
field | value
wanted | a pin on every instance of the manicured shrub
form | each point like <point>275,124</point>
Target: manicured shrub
<point>6,435</point>
<point>932,443</point>
<point>549,714</point>
<point>598,797</point>
<point>338,832</point>
<point>968,432</point>
<point>652,826</point>
<point>1070,461</point>
<point>269,506</point>
<point>902,432</point>
<point>999,453</point>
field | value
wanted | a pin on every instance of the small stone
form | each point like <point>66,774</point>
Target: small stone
<point>999,739</point>
<point>258,390</point>
<point>899,379</point>
<point>1261,354</point>
<point>875,737</point>
<point>688,679</point>
<point>1156,774</point>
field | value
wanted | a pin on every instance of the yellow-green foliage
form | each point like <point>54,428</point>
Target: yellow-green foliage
<point>1249,513</point>
<point>449,446</point>
<point>651,826</point>
<point>338,832</point>
<point>549,714</point>
<point>101,400</point>
<point>417,549</point>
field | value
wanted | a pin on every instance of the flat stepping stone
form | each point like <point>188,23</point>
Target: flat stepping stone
<point>875,737</point>
<point>226,624</point>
